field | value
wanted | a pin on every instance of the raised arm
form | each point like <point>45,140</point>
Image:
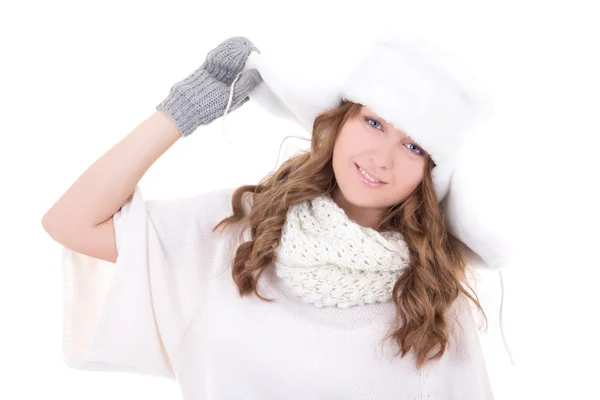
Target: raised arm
<point>81,219</point>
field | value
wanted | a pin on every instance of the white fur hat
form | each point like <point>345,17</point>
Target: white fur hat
<point>414,86</point>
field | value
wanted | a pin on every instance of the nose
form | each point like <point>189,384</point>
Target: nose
<point>383,157</point>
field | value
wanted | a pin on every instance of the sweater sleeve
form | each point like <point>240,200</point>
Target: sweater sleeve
<point>131,315</point>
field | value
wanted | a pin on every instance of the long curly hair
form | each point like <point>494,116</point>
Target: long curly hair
<point>423,293</point>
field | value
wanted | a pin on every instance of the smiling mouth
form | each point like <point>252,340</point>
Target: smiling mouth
<point>359,168</point>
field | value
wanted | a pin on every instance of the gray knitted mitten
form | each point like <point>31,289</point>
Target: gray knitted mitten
<point>202,97</point>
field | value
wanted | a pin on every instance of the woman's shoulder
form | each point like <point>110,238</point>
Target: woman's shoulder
<point>208,202</point>
<point>200,211</point>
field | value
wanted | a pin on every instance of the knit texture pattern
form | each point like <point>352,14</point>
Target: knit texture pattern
<point>202,96</point>
<point>329,260</point>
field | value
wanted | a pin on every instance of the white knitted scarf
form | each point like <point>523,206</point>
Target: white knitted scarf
<point>330,260</point>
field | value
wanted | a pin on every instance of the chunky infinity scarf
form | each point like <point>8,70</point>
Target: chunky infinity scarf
<point>330,260</point>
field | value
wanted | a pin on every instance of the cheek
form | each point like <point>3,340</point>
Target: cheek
<point>348,147</point>
<point>408,172</point>
<point>342,150</point>
<point>415,173</point>
<point>340,158</point>
<point>342,162</point>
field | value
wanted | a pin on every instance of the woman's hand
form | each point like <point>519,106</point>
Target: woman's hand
<point>202,97</point>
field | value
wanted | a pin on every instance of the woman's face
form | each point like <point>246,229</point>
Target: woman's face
<point>387,154</point>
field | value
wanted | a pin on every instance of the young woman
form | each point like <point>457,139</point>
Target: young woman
<point>339,277</point>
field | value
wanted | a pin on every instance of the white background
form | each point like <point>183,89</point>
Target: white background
<point>78,76</point>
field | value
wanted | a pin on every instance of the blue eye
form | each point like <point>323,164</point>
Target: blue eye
<point>371,119</point>
<point>416,147</point>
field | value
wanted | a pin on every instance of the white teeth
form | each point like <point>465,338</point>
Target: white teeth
<point>367,175</point>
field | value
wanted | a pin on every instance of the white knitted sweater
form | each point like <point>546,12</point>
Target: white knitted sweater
<point>169,308</point>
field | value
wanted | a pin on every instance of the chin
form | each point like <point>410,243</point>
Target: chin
<point>357,197</point>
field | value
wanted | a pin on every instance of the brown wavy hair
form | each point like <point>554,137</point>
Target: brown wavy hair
<point>426,289</point>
